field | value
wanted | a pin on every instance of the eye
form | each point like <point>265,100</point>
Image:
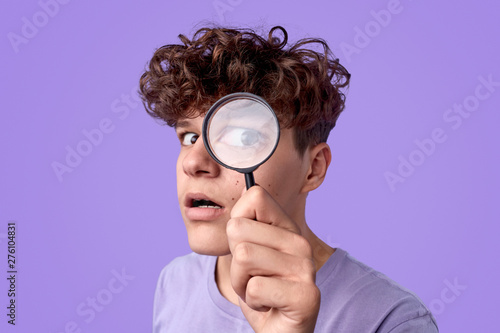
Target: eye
<point>189,138</point>
<point>240,137</point>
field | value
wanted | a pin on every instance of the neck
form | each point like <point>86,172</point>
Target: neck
<point>321,253</point>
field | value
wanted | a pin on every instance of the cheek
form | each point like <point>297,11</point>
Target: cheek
<point>233,184</point>
<point>235,181</point>
<point>282,179</point>
<point>276,184</point>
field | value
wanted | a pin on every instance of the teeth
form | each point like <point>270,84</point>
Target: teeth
<point>205,204</point>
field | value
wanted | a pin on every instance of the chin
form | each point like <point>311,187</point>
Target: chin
<point>208,242</point>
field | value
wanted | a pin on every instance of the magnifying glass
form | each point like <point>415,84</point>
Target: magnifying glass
<point>241,131</point>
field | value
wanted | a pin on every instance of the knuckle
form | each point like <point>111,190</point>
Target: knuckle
<point>241,253</point>
<point>253,295</point>
<point>307,268</point>
<point>238,208</point>
<point>315,293</point>
<point>303,245</point>
<point>254,285</point>
<point>310,296</point>
<point>314,296</point>
<point>232,227</point>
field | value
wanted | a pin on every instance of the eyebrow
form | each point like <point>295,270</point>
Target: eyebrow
<point>182,124</point>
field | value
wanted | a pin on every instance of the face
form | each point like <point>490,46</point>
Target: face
<point>207,191</point>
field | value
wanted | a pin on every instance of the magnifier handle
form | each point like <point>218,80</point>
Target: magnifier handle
<point>249,180</point>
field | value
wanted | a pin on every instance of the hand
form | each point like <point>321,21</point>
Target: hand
<point>272,267</point>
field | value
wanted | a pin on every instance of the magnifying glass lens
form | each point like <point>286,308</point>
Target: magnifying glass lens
<point>241,131</point>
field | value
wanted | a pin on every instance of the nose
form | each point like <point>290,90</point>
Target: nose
<point>198,163</point>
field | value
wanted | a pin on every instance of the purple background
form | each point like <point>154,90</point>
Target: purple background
<point>117,209</point>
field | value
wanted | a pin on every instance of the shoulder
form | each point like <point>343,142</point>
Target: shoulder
<point>369,299</point>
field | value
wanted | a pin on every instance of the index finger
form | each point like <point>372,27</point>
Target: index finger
<point>257,204</point>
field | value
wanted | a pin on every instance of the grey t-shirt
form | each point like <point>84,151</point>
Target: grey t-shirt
<point>354,298</point>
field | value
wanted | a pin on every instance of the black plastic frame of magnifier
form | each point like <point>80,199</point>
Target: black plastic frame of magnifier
<point>249,178</point>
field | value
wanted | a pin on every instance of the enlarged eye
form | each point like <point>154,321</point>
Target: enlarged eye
<point>189,138</point>
<point>240,137</point>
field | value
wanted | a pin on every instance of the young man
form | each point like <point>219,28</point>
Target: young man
<point>256,265</point>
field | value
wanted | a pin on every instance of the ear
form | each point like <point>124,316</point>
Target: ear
<point>319,158</point>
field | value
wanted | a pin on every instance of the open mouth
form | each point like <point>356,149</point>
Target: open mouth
<point>202,203</point>
<point>200,207</point>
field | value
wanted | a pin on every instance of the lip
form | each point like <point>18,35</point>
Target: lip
<point>201,214</point>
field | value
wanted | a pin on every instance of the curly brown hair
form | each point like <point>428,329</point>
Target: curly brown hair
<point>303,86</point>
